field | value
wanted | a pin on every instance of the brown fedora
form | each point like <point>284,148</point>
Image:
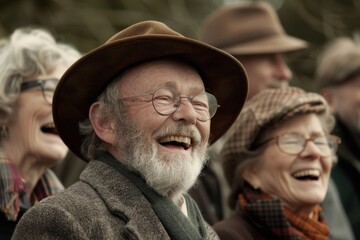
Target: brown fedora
<point>222,74</point>
<point>246,29</point>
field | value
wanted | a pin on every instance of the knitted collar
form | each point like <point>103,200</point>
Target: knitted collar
<point>268,214</point>
<point>177,225</point>
<point>13,190</point>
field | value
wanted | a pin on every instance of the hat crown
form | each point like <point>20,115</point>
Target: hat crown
<point>145,28</point>
<point>248,28</point>
<point>242,23</point>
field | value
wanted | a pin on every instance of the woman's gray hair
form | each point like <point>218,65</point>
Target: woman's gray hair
<point>26,54</point>
<point>109,107</point>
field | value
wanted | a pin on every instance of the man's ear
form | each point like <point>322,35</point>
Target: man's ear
<point>329,96</point>
<point>251,176</point>
<point>103,127</point>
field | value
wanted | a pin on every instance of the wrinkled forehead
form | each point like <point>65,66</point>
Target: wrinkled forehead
<point>170,73</point>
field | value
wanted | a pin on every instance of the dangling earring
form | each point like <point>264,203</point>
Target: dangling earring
<point>3,132</point>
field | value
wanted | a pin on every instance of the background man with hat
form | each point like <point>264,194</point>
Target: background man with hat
<point>338,80</point>
<point>253,34</point>
<point>144,127</point>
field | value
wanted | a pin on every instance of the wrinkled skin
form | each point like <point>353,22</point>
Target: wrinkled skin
<point>28,145</point>
<point>275,174</point>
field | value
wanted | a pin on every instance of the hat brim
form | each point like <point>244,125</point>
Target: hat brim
<point>271,44</point>
<point>222,74</point>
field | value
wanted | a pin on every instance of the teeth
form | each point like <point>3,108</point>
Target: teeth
<point>309,172</point>
<point>184,140</point>
<point>49,128</point>
<point>49,125</point>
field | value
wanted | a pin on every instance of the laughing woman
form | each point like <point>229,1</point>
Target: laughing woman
<point>31,63</point>
<point>278,161</point>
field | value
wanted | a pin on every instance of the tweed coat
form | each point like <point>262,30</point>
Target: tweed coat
<point>102,205</point>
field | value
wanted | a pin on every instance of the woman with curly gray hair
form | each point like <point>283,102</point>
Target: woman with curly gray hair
<point>31,63</point>
<point>278,160</point>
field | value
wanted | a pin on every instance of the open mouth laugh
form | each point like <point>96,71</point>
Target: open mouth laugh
<point>175,141</point>
<point>49,128</point>
<point>307,175</point>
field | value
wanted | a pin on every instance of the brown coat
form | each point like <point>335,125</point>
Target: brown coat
<point>237,227</point>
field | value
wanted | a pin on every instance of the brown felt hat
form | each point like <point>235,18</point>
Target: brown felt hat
<point>83,82</point>
<point>247,29</point>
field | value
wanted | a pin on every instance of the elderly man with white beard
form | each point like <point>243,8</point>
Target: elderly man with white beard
<point>142,110</point>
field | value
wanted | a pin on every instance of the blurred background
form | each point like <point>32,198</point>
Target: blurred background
<point>87,24</point>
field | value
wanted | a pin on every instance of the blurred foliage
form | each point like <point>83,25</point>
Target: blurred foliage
<point>87,24</point>
<point>318,22</point>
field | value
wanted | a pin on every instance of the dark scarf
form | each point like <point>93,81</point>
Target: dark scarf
<point>177,225</point>
<point>269,215</point>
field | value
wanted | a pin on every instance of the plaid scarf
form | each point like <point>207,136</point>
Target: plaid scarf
<point>269,213</point>
<point>13,188</point>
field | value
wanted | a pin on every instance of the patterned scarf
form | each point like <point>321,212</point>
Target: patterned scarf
<point>13,188</point>
<point>269,213</point>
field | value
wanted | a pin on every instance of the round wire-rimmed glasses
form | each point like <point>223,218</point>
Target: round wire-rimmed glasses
<point>167,101</point>
<point>47,87</point>
<point>295,143</point>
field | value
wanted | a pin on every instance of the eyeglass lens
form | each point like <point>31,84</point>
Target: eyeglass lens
<point>47,87</point>
<point>295,143</point>
<point>166,102</point>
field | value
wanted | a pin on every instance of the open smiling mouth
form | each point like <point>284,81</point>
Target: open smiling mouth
<point>49,128</point>
<point>307,175</point>
<point>175,141</point>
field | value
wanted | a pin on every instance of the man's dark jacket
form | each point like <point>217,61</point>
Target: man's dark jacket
<point>346,175</point>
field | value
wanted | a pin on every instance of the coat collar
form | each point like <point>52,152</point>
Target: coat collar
<point>124,200</point>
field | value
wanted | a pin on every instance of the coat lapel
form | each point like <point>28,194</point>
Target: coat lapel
<point>124,200</point>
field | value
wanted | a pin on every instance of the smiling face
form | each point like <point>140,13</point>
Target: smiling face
<point>169,151</point>
<point>300,181</point>
<point>31,127</point>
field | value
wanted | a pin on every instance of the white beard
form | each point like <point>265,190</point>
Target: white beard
<point>168,174</point>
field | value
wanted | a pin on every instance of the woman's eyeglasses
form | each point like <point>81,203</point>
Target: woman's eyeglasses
<point>47,87</point>
<point>294,143</point>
